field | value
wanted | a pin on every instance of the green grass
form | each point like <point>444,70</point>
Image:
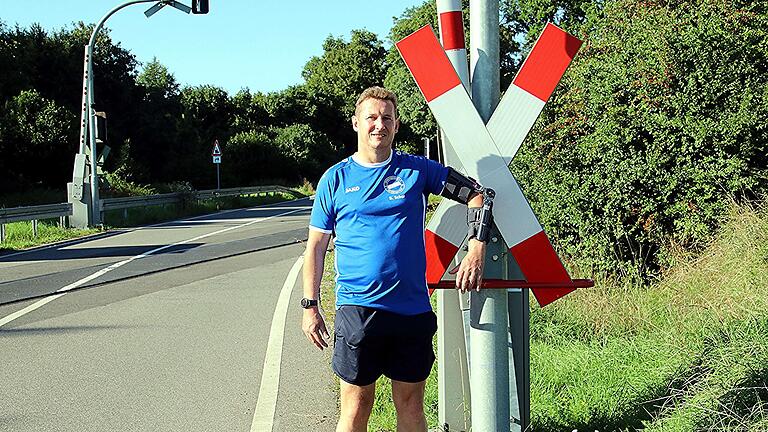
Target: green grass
<point>686,353</point>
<point>153,214</point>
<point>19,235</point>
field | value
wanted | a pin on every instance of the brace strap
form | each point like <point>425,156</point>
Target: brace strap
<point>459,187</point>
<point>480,219</point>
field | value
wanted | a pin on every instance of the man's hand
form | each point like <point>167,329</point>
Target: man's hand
<point>313,326</point>
<point>469,274</point>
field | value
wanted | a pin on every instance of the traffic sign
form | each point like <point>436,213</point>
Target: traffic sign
<point>485,151</point>
<point>217,159</point>
<point>216,149</point>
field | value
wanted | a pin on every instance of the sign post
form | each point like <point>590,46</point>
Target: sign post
<point>216,154</point>
<point>484,150</point>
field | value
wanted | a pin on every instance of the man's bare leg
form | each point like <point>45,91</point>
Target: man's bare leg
<point>356,405</point>
<point>409,403</point>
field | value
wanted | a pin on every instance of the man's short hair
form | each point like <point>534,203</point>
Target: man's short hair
<point>376,92</point>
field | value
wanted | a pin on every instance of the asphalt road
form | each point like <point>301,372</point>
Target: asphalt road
<point>164,328</point>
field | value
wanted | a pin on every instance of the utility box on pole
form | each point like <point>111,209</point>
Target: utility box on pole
<point>79,193</point>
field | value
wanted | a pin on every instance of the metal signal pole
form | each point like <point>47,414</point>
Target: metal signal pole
<point>489,357</point>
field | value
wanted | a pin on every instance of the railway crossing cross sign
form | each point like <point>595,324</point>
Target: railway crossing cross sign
<point>484,152</point>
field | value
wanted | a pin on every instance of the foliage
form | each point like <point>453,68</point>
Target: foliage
<point>654,130</point>
<point>120,186</point>
<point>157,80</point>
<point>685,354</point>
<point>251,156</point>
<point>416,120</point>
<point>346,68</point>
<point>38,133</point>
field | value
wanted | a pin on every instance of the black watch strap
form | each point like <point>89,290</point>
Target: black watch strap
<point>308,303</point>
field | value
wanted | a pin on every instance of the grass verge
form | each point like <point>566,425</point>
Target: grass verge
<point>687,353</point>
<point>19,235</point>
<point>148,215</point>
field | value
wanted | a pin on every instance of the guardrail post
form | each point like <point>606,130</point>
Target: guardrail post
<point>34,228</point>
<point>2,233</point>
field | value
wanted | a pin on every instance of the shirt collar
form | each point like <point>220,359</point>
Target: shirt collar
<point>357,160</point>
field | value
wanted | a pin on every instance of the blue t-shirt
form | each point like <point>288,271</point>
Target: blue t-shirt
<point>377,212</point>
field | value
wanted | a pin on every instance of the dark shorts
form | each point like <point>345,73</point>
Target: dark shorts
<point>368,343</point>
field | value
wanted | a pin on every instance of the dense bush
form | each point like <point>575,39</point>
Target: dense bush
<point>658,125</point>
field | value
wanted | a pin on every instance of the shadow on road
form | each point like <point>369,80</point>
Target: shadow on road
<point>57,253</point>
<point>47,331</point>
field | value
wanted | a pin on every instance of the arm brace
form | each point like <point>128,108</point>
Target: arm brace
<point>461,188</point>
<point>479,219</point>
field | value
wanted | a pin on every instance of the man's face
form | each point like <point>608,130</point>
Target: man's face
<point>375,124</point>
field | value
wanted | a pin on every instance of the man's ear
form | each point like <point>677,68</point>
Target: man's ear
<point>354,123</point>
<point>397,125</point>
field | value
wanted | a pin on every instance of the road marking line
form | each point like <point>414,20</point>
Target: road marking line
<point>60,292</point>
<point>128,230</point>
<point>29,309</point>
<point>264,414</point>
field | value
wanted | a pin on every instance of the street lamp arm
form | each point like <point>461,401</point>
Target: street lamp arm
<point>89,114</point>
<point>106,16</point>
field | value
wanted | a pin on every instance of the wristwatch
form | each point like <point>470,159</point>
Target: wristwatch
<point>308,303</point>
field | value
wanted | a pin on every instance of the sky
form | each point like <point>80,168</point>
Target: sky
<point>259,44</point>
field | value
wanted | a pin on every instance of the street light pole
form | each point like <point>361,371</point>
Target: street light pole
<point>95,218</point>
<point>88,119</point>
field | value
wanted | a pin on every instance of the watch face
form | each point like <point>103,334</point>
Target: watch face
<point>307,303</point>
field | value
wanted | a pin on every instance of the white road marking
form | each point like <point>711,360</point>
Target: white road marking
<point>264,414</point>
<point>60,292</point>
<point>127,230</point>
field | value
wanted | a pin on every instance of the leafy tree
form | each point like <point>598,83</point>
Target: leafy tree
<point>251,157</point>
<point>523,20</point>
<point>345,69</point>
<point>656,127</point>
<point>37,134</point>
<point>417,121</point>
<point>248,111</point>
<point>310,150</point>
<point>206,116</point>
<point>157,81</point>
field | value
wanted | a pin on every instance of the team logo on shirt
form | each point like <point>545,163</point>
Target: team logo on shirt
<point>395,186</point>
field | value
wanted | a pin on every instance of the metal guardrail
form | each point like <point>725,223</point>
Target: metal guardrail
<point>125,203</point>
<point>107,204</point>
<point>61,211</point>
<point>33,213</point>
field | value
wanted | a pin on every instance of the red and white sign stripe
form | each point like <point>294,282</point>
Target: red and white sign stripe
<point>451,25</point>
<point>479,154</point>
<point>447,229</point>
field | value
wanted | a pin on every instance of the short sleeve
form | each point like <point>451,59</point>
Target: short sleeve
<point>323,215</point>
<point>436,175</point>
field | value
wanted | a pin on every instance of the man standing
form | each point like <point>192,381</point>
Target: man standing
<point>375,202</point>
